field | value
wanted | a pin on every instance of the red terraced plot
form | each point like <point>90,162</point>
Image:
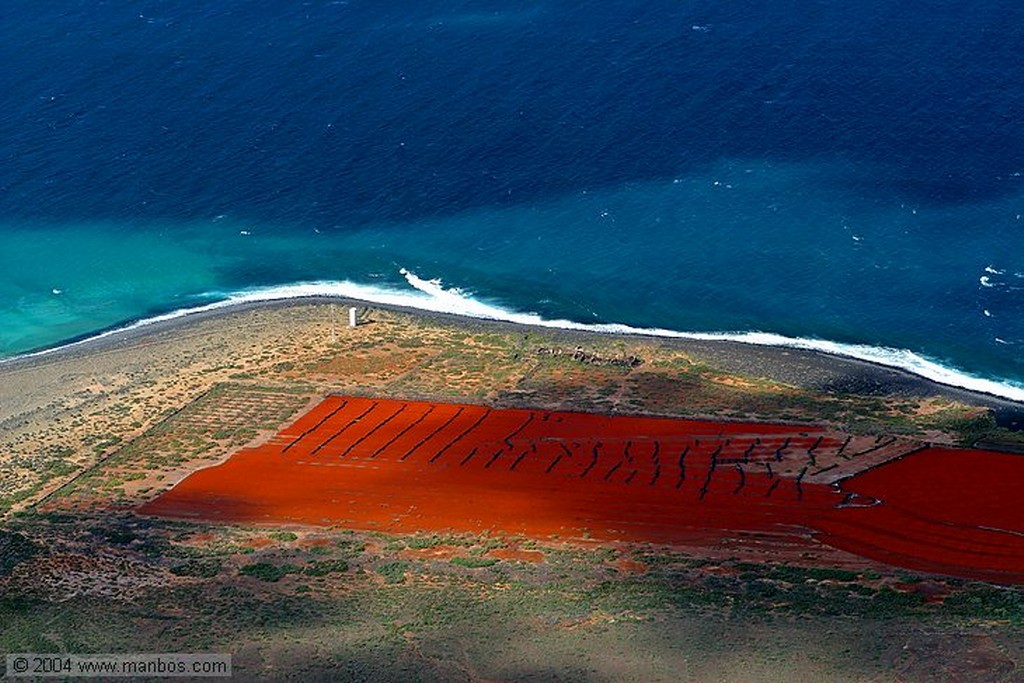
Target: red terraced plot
<point>945,510</point>
<point>409,466</point>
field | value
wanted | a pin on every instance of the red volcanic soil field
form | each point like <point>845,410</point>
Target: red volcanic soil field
<point>944,510</point>
<point>408,466</point>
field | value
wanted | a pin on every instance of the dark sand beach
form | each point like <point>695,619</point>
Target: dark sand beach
<point>809,369</point>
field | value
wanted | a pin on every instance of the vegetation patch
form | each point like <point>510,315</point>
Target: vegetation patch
<point>392,572</point>
<point>475,562</point>
<point>202,569</point>
<point>15,548</point>
<point>266,571</point>
<point>986,602</point>
<point>325,567</point>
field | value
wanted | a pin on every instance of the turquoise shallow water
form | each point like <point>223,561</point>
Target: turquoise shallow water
<point>847,176</point>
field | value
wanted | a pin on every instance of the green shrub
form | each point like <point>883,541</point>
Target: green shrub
<point>988,602</point>
<point>424,542</point>
<point>325,567</point>
<point>968,428</point>
<point>350,546</point>
<point>887,602</point>
<point>265,571</point>
<point>393,572</point>
<point>475,562</point>
<point>203,569</point>
<point>14,548</point>
<point>116,535</point>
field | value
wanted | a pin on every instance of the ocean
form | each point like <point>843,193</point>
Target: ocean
<point>842,176</point>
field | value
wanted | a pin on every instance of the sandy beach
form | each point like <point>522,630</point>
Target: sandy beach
<point>804,368</point>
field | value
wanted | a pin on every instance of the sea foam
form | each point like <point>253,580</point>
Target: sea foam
<point>433,296</point>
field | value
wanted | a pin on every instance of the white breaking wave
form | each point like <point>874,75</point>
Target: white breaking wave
<point>433,296</point>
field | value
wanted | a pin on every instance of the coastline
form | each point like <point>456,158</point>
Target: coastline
<point>802,367</point>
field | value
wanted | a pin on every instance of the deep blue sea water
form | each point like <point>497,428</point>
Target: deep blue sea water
<point>844,173</point>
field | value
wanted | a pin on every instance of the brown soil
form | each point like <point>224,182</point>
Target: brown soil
<point>517,554</point>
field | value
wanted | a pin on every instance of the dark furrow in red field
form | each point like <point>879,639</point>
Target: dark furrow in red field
<point>742,482</point>
<point>344,429</point>
<point>433,433</point>
<point>380,425</point>
<point>402,433</point>
<point>781,449</point>
<point>460,436</point>
<point>750,449</point>
<point>810,452</point>
<point>522,455</point>
<point>558,459</point>
<point>682,465</point>
<point>315,426</point>
<point>514,434</point>
<point>494,458</point>
<point>593,461</point>
<point>880,443</point>
<point>613,470</point>
<point>469,456</point>
<point>711,472</point>
<point>736,451</point>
